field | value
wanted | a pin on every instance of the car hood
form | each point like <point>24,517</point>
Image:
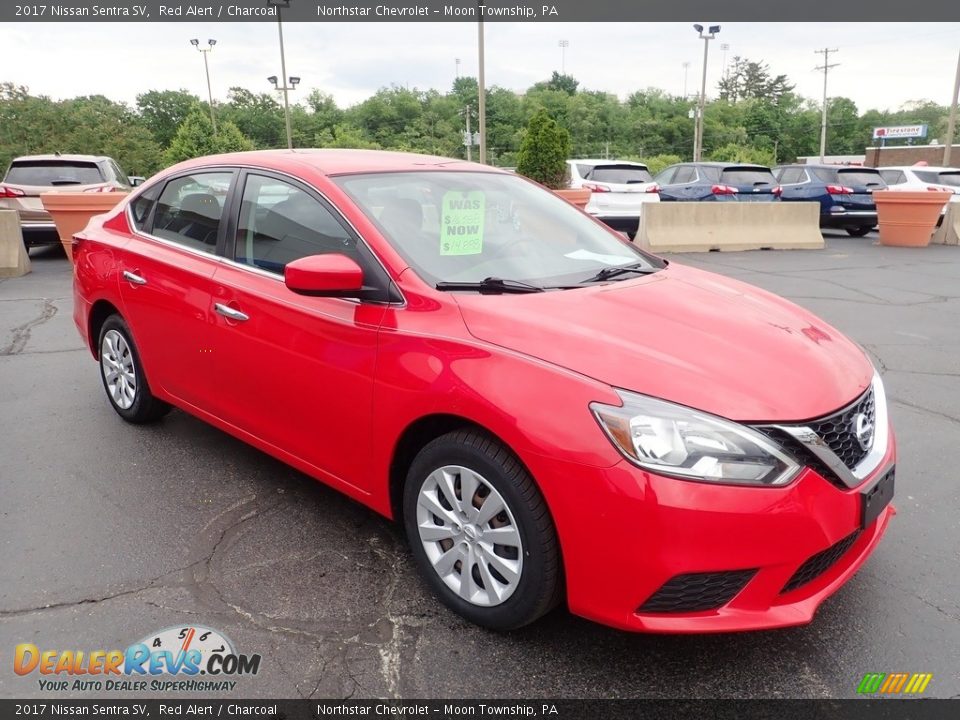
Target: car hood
<point>687,336</point>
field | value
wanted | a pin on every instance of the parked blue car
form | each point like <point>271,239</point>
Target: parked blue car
<point>725,182</point>
<point>844,193</point>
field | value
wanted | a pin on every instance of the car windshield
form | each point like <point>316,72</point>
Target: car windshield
<point>465,227</point>
<point>53,172</point>
<point>622,174</point>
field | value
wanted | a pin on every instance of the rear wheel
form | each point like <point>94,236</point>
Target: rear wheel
<point>480,531</point>
<point>122,375</point>
<point>859,231</point>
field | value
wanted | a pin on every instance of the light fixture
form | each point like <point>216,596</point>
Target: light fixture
<point>714,29</point>
<point>294,80</point>
<point>211,42</point>
<point>273,80</point>
<point>194,42</point>
<point>698,28</point>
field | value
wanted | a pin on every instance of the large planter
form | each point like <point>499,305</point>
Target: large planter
<point>72,211</point>
<point>908,218</point>
<point>575,196</point>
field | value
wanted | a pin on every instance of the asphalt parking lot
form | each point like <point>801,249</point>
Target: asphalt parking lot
<point>110,532</point>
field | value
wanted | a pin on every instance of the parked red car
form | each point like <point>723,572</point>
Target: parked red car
<point>551,412</point>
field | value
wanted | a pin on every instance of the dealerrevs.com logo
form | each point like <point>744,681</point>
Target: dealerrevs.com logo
<point>186,659</point>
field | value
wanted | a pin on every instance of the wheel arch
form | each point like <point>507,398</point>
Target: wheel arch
<point>99,312</point>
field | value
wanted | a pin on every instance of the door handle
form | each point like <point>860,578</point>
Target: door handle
<point>229,313</point>
<point>133,278</point>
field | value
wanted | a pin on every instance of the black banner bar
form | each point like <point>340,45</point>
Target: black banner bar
<point>859,709</point>
<point>473,10</point>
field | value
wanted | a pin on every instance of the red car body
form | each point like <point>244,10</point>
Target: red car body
<point>362,384</point>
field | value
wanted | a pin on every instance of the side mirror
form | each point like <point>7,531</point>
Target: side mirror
<point>331,275</point>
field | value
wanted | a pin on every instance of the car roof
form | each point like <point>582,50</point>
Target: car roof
<point>828,166</point>
<point>337,161</point>
<point>919,167</point>
<point>601,161</point>
<point>63,156</point>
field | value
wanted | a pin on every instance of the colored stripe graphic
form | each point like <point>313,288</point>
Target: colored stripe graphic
<point>894,683</point>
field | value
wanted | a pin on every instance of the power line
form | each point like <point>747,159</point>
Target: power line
<point>826,69</point>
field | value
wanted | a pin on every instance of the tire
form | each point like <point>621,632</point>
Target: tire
<point>495,598</point>
<point>858,231</point>
<point>122,375</point>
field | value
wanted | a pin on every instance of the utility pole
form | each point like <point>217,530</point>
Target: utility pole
<point>564,44</point>
<point>482,88</point>
<point>952,123</point>
<point>469,138</point>
<point>706,37</point>
<point>823,118</point>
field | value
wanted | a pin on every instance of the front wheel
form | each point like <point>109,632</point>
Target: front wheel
<point>480,531</point>
<point>859,231</point>
<point>122,375</point>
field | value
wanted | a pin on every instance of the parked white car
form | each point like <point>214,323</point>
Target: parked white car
<point>922,177</point>
<point>620,190</point>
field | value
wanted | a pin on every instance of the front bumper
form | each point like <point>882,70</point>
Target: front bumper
<point>625,533</point>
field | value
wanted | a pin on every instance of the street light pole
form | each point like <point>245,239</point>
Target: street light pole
<point>564,44</point>
<point>482,99</point>
<point>952,122</point>
<point>279,4</point>
<point>206,67</point>
<point>706,37</point>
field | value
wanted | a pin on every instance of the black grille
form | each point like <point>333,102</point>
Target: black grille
<point>696,592</point>
<point>839,432</point>
<point>820,563</point>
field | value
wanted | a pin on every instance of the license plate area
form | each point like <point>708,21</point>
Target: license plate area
<point>876,498</point>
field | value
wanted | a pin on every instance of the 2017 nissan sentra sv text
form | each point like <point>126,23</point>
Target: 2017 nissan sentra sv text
<point>553,414</point>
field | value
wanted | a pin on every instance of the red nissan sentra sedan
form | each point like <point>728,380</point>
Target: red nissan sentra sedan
<point>550,412</point>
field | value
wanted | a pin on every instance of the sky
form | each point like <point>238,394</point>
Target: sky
<point>881,65</point>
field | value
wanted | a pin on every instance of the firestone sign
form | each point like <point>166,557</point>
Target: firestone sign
<point>899,131</point>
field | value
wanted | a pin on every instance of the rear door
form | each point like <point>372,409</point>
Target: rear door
<point>165,280</point>
<point>293,371</point>
<point>681,184</point>
<point>26,179</point>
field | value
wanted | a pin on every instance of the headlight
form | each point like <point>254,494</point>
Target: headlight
<point>675,440</point>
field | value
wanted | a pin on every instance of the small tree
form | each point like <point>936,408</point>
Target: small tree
<point>544,151</point>
<point>195,138</point>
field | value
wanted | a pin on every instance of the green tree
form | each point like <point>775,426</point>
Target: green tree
<point>195,138</point>
<point>742,154</point>
<point>657,163</point>
<point>544,151</point>
<point>163,111</point>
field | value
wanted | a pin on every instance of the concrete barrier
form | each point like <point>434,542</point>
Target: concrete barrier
<point>703,226</point>
<point>14,260</point>
<point>949,231</point>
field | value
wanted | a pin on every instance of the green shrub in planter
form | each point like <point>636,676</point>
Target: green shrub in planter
<point>544,151</point>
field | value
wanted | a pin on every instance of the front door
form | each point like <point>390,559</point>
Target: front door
<point>296,372</point>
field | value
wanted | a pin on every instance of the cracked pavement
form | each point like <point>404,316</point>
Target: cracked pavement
<point>110,532</point>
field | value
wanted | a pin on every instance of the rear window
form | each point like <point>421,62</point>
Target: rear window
<point>622,174</point>
<point>860,177</point>
<point>747,176</point>
<point>939,178</point>
<point>53,172</point>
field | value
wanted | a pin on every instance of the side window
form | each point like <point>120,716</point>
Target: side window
<point>280,223</point>
<point>119,175</point>
<point>141,206</point>
<point>665,177</point>
<point>791,176</point>
<point>190,209</point>
<point>685,174</point>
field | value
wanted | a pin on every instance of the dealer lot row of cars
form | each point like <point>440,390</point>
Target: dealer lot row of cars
<point>845,193</point>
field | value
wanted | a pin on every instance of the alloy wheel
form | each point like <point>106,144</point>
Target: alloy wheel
<point>119,372</point>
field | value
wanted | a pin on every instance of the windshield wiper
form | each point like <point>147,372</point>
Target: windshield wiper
<point>491,286</point>
<point>614,270</point>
